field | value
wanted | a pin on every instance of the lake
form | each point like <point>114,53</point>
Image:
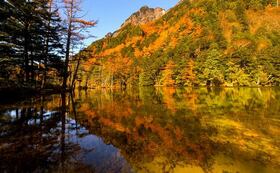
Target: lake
<point>149,130</point>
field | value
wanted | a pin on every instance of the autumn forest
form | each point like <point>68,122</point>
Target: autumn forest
<point>199,43</point>
<point>189,88</point>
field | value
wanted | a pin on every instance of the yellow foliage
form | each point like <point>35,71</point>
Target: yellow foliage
<point>242,42</point>
<point>269,19</point>
<point>157,44</point>
<point>149,28</point>
<point>263,44</point>
<point>112,50</point>
<point>226,25</point>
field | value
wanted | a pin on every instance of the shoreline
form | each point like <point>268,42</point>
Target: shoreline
<point>11,95</point>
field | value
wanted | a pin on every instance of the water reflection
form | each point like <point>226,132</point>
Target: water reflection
<point>144,130</point>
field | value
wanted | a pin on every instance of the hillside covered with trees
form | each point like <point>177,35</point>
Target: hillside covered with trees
<point>196,43</point>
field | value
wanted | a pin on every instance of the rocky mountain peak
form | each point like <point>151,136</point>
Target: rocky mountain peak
<point>144,15</point>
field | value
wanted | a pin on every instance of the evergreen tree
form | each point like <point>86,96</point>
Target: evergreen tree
<point>29,36</point>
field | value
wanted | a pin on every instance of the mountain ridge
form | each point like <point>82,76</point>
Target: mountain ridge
<point>202,42</point>
<point>144,15</point>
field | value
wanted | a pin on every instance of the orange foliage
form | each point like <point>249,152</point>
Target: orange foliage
<point>119,65</point>
<point>242,42</point>
<point>87,110</point>
<point>109,123</point>
<point>157,44</point>
<point>269,18</point>
<point>149,28</point>
<point>138,53</point>
<point>168,98</point>
<point>197,11</point>
<point>112,50</point>
<point>190,99</point>
<point>262,44</point>
<point>167,74</point>
<point>189,71</point>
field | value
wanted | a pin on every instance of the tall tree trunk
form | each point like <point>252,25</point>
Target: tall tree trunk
<point>26,57</point>
<point>65,73</point>
<point>47,49</point>
<point>75,73</point>
<point>45,67</point>
<point>46,62</point>
<point>32,67</point>
<point>74,110</point>
<point>68,44</point>
<point>75,25</point>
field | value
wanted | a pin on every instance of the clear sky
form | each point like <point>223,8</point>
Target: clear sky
<point>112,13</point>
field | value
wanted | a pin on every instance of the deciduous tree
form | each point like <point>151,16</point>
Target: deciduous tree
<point>75,27</point>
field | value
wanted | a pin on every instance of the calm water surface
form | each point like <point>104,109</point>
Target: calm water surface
<point>146,130</point>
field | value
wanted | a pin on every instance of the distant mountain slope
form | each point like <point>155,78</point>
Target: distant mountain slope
<point>202,42</point>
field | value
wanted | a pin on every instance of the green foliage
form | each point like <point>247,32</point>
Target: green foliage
<point>127,32</point>
<point>269,61</point>
<point>151,68</point>
<point>128,51</point>
<point>210,68</point>
<point>216,48</point>
<point>235,75</point>
<point>98,46</point>
<point>148,40</point>
<point>29,35</point>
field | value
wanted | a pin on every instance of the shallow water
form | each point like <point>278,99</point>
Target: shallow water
<point>145,130</point>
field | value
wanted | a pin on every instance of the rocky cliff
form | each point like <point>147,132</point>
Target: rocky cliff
<point>144,15</point>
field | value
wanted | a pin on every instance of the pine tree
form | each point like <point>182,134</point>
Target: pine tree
<point>6,46</point>
<point>52,30</point>
<point>25,27</point>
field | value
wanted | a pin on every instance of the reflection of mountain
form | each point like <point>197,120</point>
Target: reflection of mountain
<point>147,141</point>
<point>145,130</point>
<point>174,128</point>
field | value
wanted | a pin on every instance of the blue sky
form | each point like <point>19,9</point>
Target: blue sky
<point>112,13</point>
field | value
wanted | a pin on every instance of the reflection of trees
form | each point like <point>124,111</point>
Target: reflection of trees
<point>147,132</point>
<point>29,140</point>
<point>163,127</point>
<point>146,141</point>
<point>186,126</point>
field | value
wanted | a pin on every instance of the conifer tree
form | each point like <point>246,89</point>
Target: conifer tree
<point>29,35</point>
